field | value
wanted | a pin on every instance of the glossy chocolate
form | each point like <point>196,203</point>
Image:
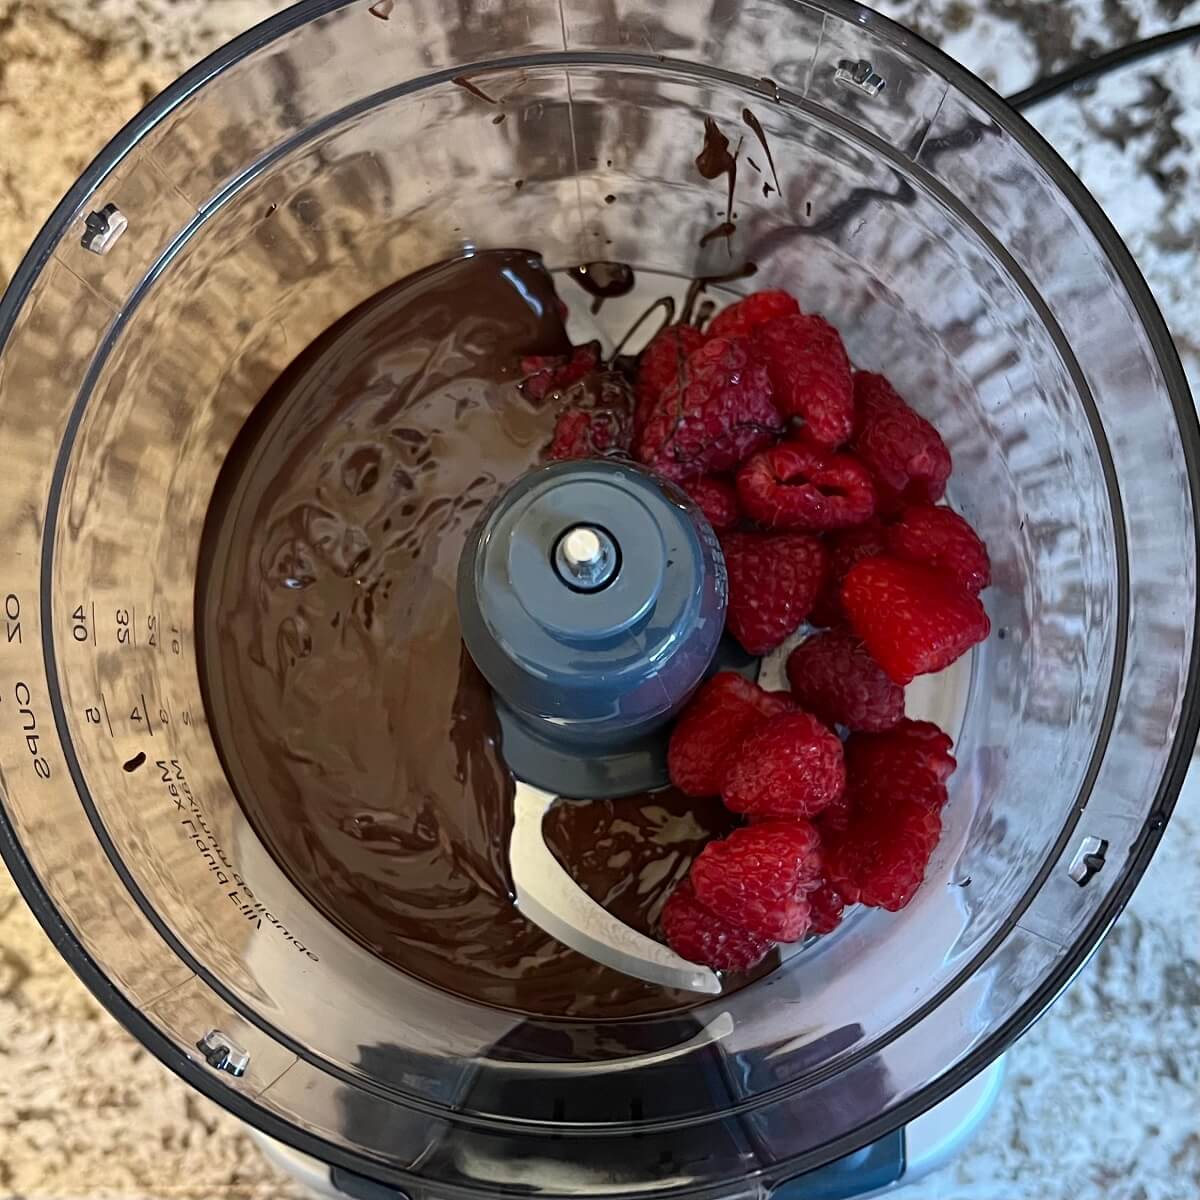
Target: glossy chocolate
<point>356,731</point>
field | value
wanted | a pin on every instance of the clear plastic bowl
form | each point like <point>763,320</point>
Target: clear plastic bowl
<point>329,153</point>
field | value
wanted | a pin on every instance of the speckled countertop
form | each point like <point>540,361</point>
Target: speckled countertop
<point>1102,1096</point>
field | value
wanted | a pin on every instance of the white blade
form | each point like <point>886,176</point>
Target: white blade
<point>552,900</point>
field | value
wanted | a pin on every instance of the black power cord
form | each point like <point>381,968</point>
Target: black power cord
<point>1092,68</point>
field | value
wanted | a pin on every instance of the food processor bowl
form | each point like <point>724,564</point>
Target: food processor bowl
<point>340,147</point>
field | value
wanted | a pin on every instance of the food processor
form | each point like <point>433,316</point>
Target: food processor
<point>341,147</point>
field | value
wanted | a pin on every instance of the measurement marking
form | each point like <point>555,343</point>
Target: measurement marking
<point>104,705</point>
<point>133,627</point>
<point>93,622</point>
<point>170,714</point>
<point>146,714</point>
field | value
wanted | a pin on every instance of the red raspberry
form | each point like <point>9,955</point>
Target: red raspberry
<point>579,434</point>
<point>810,374</point>
<point>834,676</point>
<point>835,818</point>
<point>929,745</point>
<point>825,906</point>
<point>798,486</point>
<point>940,538</point>
<point>546,373</point>
<point>774,580</point>
<point>721,713</point>
<point>717,500</point>
<point>879,859</point>
<point>914,621</point>
<point>597,418</point>
<point>757,878</point>
<point>845,549</point>
<point>701,937</point>
<point>746,314</point>
<point>662,363</point>
<point>895,784</point>
<point>574,436</point>
<point>791,766</point>
<point>909,786</point>
<point>714,418</point>
<point>905,453</point>
<point>917,749</point>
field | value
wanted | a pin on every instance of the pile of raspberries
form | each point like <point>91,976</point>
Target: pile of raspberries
<point>822,485</point>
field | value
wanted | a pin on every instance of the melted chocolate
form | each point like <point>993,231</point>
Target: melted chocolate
<point>726,229</point>
<point>467,86</point>
<point>767,189</point>
<point>756,127</point>
<point>704,311</point>
<point>771,86</point>
<point>701,283</point>
<point>356,731</point>
<point>715,160</point>
<point>628,363</point>
<point>603,280</point>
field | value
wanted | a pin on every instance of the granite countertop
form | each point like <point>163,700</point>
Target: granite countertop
<point>1101,1096</point>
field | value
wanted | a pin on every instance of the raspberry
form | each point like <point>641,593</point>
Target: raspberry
<point>825,906</point>
<point>774,580</point>
<point>835,818</point>
<point>722,712</point>
<point>845,549</point>
<point>701,937</point>
<point>908,785</point>
<point>810,374</point>
<point>757,878</point>
<point>746,314</point>
<point>879,859</point>
<point>904,452</point>
<point>940,538</point>
<point>791,766</point>
<point>918,750</point>
<point>597,418</point>
<point>833,676</point>
<point>714,417</point>
<point>913,620</point>
<point>717,500</point>
<point>546,373</point>
<point>579,435</point>
<point>576,436</point>
<point>662,363</point>
<point>798,486</point>
<point>895,784</point>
